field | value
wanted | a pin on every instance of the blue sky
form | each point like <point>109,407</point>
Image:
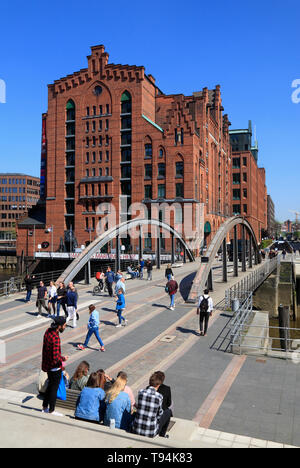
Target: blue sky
<point>250,48</point>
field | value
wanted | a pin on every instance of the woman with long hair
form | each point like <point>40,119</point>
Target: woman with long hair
<point>118,405</point>
<point>80,377</point>
<point>90,405</point>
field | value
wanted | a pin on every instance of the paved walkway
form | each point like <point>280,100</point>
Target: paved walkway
<point>220,392</point>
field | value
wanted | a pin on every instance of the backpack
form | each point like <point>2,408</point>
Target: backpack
<point>204,304</point>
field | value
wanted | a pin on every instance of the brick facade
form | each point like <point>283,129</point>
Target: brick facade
<point>113,136</point>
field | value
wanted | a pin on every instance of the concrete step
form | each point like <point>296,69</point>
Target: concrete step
<point>22,424</point>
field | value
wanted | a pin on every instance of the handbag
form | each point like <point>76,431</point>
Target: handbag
<point>61,392</point>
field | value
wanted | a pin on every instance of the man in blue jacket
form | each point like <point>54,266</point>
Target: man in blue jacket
<point>109,279</point>
<point>120,307</point>
<point>71,302</point>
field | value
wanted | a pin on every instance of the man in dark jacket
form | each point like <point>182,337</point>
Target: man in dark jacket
<point>165,391</point>
<point>52,363</point>
<point>29,287</point>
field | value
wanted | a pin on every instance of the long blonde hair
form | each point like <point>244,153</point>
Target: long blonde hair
<point>115,389</point>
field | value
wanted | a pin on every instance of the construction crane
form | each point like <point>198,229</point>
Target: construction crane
<point>296,214</point>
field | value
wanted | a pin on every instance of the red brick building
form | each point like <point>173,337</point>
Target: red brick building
<point>111,136</point>
<point>249,192</point>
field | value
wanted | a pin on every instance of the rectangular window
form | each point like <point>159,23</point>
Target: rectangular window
<point>236,163</point>
<point>125,172</point>
<point>161,192</point>
<point>236,209</point>
<point>236,194</point>
<point>125,155</point>
<point>179,190</point>
<point>162,170</point>
<point>148,171</point>
<point>148,191</point>
<point>179,169</point>
<point>107,108</point>
<point>244,176</point>
<point>236,179</point>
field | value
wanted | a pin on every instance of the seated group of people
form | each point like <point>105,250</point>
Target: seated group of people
<point>103,399</point>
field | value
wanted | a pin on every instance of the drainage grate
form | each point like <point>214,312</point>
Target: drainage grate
<point>168,338</point>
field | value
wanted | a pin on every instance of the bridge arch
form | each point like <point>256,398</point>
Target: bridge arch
<point>76,266</point>
<point>204,273</point>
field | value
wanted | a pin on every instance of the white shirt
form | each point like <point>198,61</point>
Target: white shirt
<point>52,292</point>
<point>210,302</point>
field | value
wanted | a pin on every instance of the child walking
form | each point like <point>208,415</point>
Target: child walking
<point>120,307</point>
<point>93,329</point>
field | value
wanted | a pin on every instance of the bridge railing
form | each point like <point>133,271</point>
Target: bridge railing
<point>241,290</point>
<point>16,284</point>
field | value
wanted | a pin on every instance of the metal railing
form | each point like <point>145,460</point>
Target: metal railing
<point>241,329</point>
<point>17,284</point>
<point>241,290</point>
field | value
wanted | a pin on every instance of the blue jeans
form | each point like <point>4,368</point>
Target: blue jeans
<point>172,297</point>
<point>28,296</point>
<point>93,331</point>
<point>120,317</point>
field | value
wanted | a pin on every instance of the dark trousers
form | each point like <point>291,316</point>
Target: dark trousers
<point>51,392</point>
<point>204,317</point>
<point>164,422</point>
<point>109,288</point>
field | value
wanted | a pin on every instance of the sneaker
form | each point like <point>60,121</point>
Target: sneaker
<point>46,411</point>
<point>102,349</point>
<point>118,326</point>
<point>81,347</point>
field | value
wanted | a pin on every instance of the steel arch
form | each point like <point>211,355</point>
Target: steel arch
<point>204,270</point>
<point>74,268</point>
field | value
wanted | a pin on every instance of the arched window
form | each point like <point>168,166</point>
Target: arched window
<point>126,103</point>
<point>70,109</point>
<point>148,148</point>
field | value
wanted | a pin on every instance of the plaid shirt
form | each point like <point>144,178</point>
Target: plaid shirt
<point>149,411</point>
<point>52,357</point>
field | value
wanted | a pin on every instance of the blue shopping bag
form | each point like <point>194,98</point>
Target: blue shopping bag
<point>61,392</point>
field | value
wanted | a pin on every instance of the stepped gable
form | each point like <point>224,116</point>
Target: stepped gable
<point>98,67</point>
<point>167,115</point>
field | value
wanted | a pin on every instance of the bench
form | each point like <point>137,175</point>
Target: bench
<point>70,402</point>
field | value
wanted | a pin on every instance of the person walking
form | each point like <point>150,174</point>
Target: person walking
<point>61,299</point>
<point>120,285</point>
<point>120,308</point>
<point>172,288</point>
<point>72,305</point>
<point>149,267</point>
<point>169,273</point>
<point>109,279</point>
<point>52,363</point>
<point>52,298</point>
<point>93,329</point>
<point>29,287</point>
<point>204,310</point>
<point>142,265</point>
<point>41,298</point>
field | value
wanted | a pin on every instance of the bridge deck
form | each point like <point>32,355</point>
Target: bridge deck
<point>217,390</point>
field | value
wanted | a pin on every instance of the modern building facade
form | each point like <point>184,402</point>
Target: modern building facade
<point>249,192</point>
<point>271,223</point>
<point>112,140</point>
<point>18,194</point>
